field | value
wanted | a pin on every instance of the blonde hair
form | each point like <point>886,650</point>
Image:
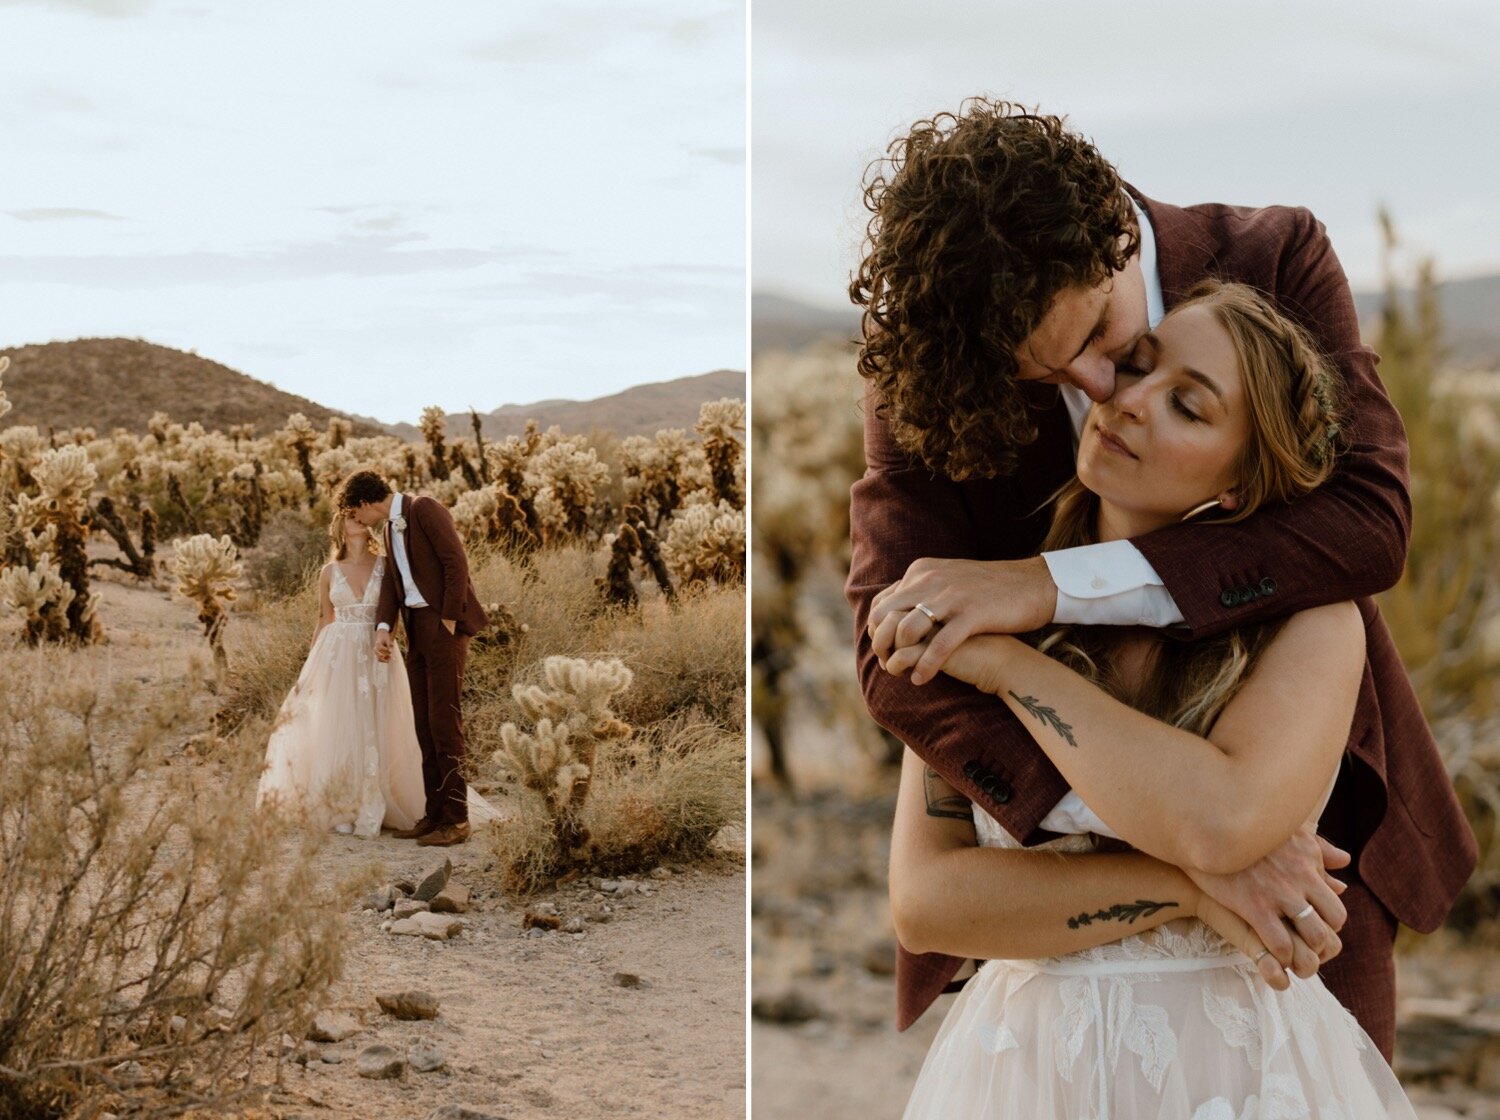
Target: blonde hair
<point>1292,397</point>
<point>339,549</point>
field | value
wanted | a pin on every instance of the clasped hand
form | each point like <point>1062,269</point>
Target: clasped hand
<point>966,597</point>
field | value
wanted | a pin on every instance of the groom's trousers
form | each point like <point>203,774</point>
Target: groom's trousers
<point>435,667</point>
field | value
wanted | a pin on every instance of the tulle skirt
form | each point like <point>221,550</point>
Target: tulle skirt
<point>343,750</point>
<point>1193,1038</point>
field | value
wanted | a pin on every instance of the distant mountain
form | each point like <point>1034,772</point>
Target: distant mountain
<point>108,383</point>
<point>1471,318</point>
<point>639,410</point>
<point>1470,310</point>
<point>779,323</point>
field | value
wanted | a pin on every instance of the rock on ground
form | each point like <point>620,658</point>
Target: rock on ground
<point>380,1061</point>
<point>333,1026</point>
<point>414,1004</point>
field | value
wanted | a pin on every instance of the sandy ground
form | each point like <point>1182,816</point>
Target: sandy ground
<point>823,1039</point>
<point>530,1026</point>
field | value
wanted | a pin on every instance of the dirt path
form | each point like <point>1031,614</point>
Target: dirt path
<point>529,1025</point>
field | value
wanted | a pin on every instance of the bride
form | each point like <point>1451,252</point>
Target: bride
<point>343,751</point>
<point>1113,988</point>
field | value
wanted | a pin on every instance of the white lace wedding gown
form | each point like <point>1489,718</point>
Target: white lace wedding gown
<point>1169,1024</point>
<point>343,750</point>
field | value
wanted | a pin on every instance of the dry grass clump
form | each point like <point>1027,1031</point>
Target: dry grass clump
<point>664,800</point>
<point>154,934</point>
<point>265,659</point>
<point>688,659</point>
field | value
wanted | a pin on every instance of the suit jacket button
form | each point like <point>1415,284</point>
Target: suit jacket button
<point>1229,599</point>
<point>989,784</point>
<point>972,770</point>
<point>1001,792</point>
<point>1268,586</point>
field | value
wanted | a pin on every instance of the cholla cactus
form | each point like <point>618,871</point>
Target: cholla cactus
<point>565,476</point>
<point>572,717</point>
<point>302,437</point>
<point>719,423</point>
<point>706,544</point>
<point>338,431</point>
<point>55,521</point>
<point>206,571</point>
<point>333,466</point>
<point>21,448</point>
<point>654,471</point>
<point>38,593</point>
<point>616,584</point>
<point>434,427</point>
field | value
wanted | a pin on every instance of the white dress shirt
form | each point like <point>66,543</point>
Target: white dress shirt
<point>403,563</point>
<point>1110,583</point>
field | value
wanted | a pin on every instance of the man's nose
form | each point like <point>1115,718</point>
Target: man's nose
<point>1094,374</point>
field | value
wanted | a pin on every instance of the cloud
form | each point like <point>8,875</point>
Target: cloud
<point>61,213</point>
<point>107,9</point>
<point>731,155</point>
<point>346,255</point>
<point>573,31</point>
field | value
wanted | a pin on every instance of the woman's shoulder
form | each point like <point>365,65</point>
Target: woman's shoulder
<point>1330,630</point>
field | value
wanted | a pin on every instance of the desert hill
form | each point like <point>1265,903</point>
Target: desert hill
<point>639,410</point>
<point>108,383</point>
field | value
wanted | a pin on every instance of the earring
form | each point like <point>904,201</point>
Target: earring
<point>1197,509</point>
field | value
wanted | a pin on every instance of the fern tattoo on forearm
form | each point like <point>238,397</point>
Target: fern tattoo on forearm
<point>1047,716</point>
<point>1126,912</point>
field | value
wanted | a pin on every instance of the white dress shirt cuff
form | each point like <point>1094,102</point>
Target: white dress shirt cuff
<point>1109,584</point>
<point>1071,815</point>
<point>383,626</point>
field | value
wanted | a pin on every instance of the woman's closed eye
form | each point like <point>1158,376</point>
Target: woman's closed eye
<point>1177,403</point>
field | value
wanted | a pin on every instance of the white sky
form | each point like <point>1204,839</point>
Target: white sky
<point>1335,105</point>
<point>377,205</point>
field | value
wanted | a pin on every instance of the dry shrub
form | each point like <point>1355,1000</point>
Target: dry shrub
<point>142,967</point>
<point>264,659</point>
<point>662,799</point>
<point>290,548</point>
<point>686,657</point>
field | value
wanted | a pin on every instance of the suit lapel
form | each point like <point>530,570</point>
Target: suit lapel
<point>390,550</point>
<point>1184,255</point>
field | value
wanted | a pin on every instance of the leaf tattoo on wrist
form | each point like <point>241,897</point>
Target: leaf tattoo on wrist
<point>1047,716</point>
<point>1126,912</point>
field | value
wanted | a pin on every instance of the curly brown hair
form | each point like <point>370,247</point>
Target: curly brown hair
<point>978,220</point>
<point>358,489</point>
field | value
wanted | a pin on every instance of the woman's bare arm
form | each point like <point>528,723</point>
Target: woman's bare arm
<point>1216,804</point>
<point>950,896</point>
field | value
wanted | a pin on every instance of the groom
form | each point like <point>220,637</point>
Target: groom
<point>1008,270</point>
<point>430,587</point>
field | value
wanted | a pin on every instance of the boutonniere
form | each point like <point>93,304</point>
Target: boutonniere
<point>398,523</point>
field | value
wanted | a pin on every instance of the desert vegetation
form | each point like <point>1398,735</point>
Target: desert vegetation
<point>141,969</point>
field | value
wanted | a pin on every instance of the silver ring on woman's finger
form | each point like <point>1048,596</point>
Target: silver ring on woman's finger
<point>929,612</point>
<point>1303,913</point>
<point>1262,953</point>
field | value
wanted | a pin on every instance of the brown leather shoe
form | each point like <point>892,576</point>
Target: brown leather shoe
<point>416,831</point>
<point>446,835</point>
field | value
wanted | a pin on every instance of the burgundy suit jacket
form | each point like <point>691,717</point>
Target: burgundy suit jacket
<point>439,568</point>
<point>1394,806</point>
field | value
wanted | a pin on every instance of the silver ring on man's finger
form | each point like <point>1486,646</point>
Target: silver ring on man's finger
<point>1303,913</point>
<point>929,612</point>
